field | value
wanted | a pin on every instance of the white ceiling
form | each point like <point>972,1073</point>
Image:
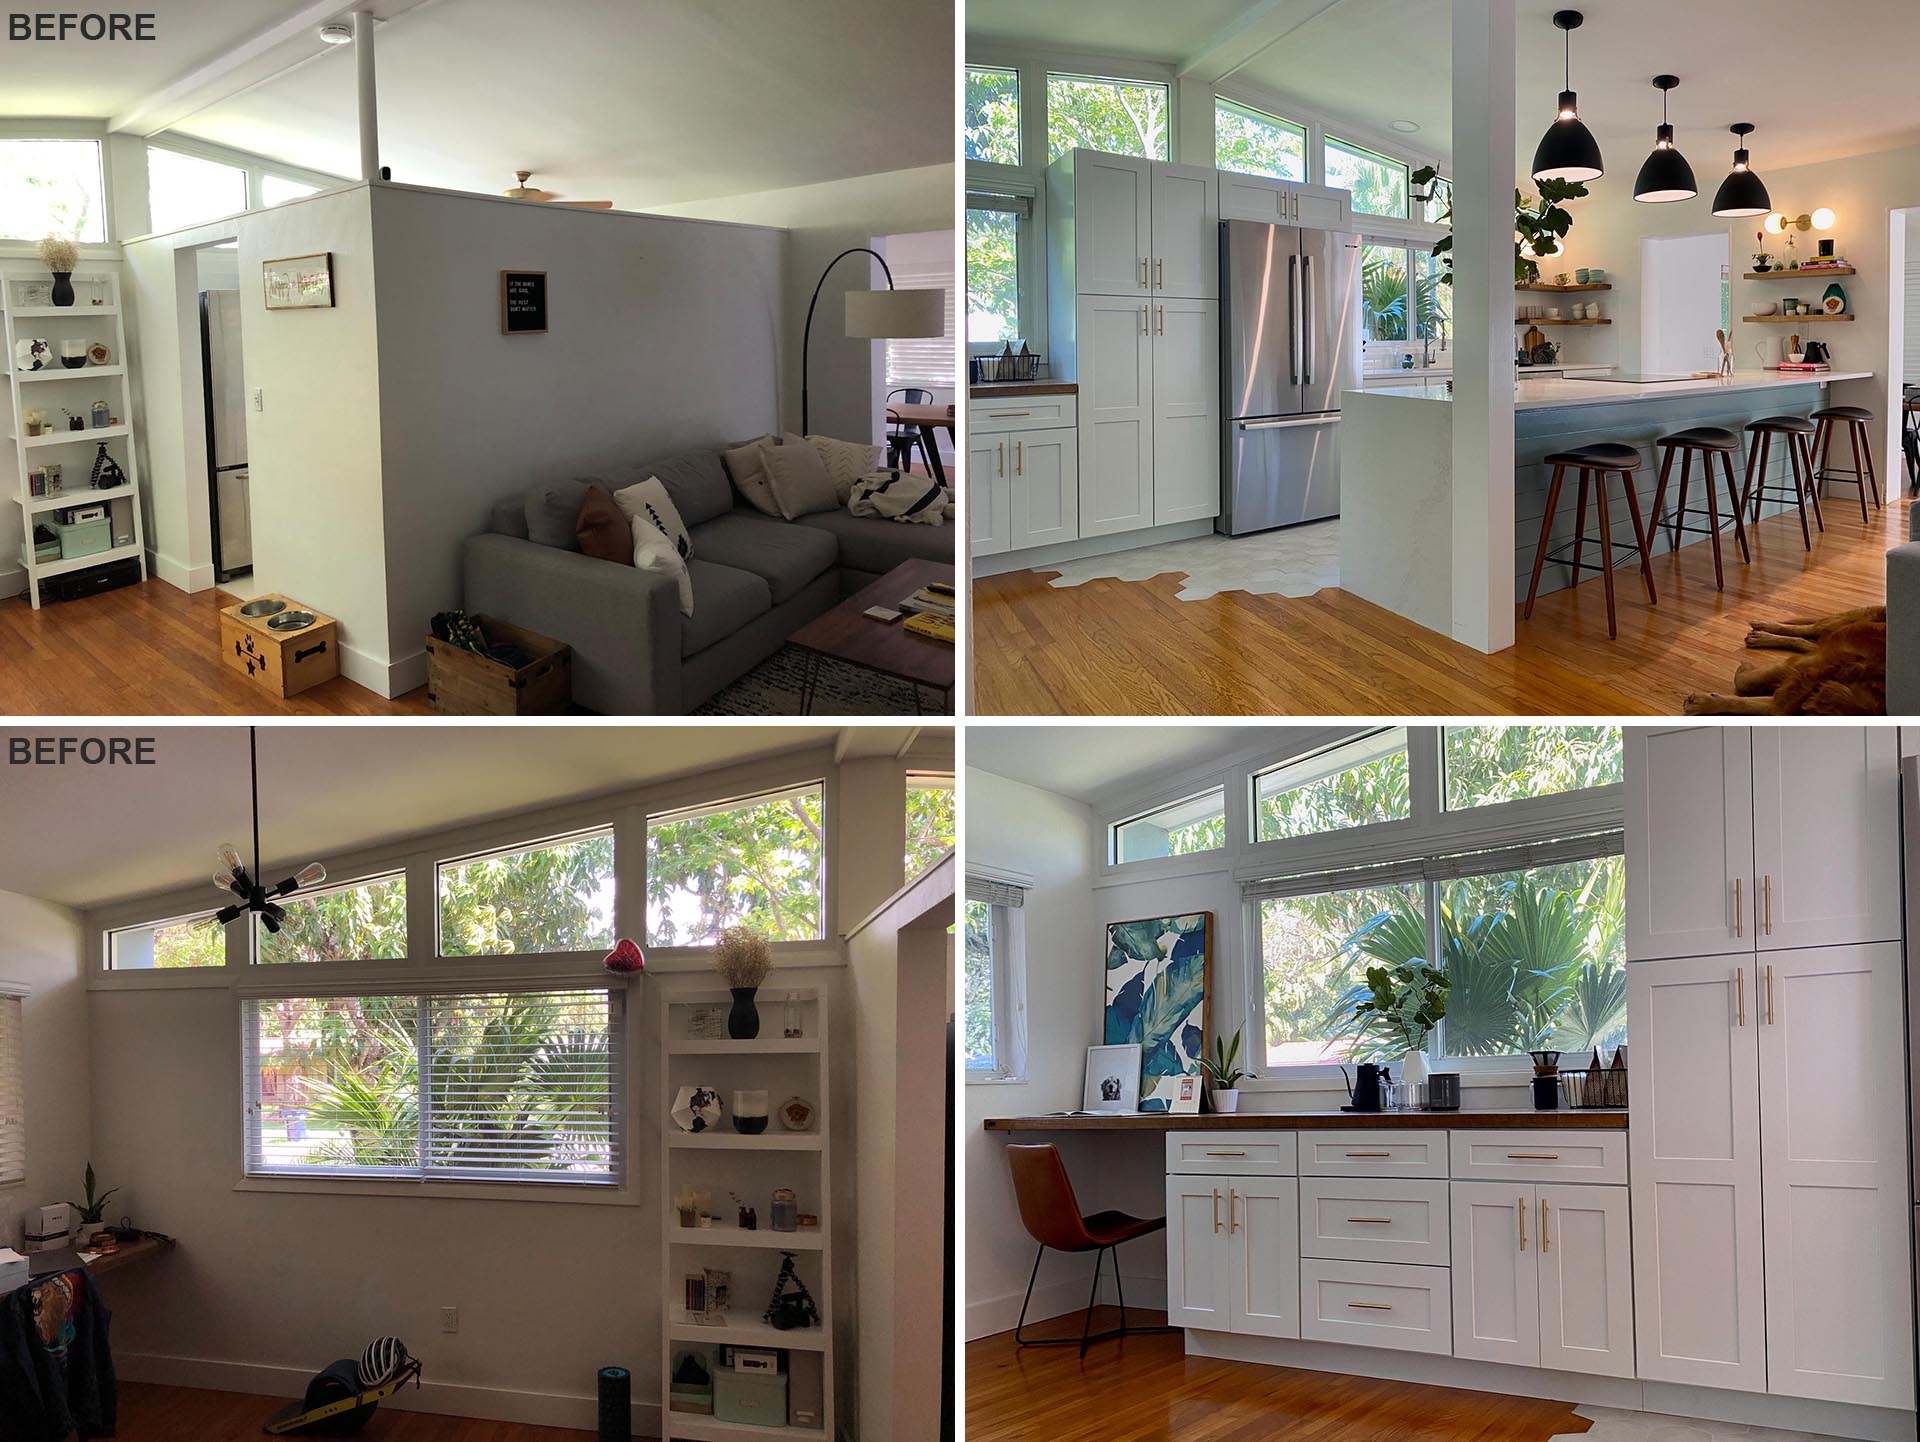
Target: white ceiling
<point>1095,763</point>
<point>642,102</point>
<point>84,835</point>
<point>1840,88</point>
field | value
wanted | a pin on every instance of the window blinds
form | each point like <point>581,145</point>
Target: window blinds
<point>525,1086</point>
<point>1523,857</point>
<point>13,1100</point>
<point>995,893</point>
<point>924,361</point>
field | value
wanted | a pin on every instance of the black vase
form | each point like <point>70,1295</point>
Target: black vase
<point>743,1021</point>
<point>63,287</point>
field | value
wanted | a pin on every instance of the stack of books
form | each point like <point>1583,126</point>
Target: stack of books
<point>1805,367</point>
<point>935,599</point>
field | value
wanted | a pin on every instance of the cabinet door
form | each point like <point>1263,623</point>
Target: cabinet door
<point>1689,841</point>
<point>1263,1218</point>
<point>1199,1254</point>
<point>1834,1181</point>
<point>1046,487</point>
<point>1496,1273</point>
<point>1116,415</point>
<point>1320,208</point>
<point>1112,223</point>
<point>1186,410</point>
<point>1586,1280</point>
<point>1254,197</point>
<point>1694,1152</point>
<point>988,490</point>
<point>1826,835</point>
<point>1186,232</point>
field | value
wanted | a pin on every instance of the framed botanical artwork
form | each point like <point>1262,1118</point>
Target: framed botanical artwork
<point>299,282</point>
<point>1158,973</point>
<point>1113,1079</point>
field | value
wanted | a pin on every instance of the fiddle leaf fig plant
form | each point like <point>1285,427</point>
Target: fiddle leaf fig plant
<point>1401,1005</point>
<point>1538,225</point>
<point>1222,1068</point>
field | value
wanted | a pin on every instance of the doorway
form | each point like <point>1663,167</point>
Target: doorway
<point>1685,295</point>
<point>223,384</point>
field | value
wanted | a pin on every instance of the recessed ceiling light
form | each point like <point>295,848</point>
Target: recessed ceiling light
<point>1406,127</point>
<point>336,32</point>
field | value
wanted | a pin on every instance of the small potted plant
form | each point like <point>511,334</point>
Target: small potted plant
<point>743,959</point>
<point>92,1211</point>
<point>1223,1074</point>
<point>1400,1006</point>
<point>1762,262</point>
<point>60,255</point>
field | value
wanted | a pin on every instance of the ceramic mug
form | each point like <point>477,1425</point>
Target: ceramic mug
<point>1553,313</point>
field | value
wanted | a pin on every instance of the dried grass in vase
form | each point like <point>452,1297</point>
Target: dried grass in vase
<point>742,958</point>
<point>60,254</point>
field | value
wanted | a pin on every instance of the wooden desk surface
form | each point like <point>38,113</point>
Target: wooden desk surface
<point>128,1253</point>
<point>1598,1119</point>
<point>912,415</point>
<point>991,390</point>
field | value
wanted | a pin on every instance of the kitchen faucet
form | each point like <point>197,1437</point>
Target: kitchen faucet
<point>1426,345</point>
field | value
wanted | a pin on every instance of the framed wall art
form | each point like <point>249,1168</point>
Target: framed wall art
<point>1157,978</point>
<point>299,282</point>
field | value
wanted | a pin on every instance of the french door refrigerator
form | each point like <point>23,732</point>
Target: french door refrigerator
<point>1289,348</point>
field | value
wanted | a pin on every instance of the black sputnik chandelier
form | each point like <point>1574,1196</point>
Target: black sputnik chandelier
<point>256,898</point>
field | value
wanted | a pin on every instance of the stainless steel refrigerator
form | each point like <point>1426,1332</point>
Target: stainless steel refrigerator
<point>1910,821</point>
<point>1289,347</point>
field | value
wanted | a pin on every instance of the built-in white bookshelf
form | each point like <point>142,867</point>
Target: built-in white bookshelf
<point>60,390</point>
<point>734,1167</point>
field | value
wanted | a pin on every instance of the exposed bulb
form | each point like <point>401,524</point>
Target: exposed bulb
<point>312,874</point>
<point>229,857</point>
<point>223,879</point>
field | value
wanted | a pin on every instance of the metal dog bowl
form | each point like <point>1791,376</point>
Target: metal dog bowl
<point>291,621</point>
<point>262,608</point>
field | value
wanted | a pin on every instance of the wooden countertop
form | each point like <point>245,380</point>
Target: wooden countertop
<point>1595,1119</point>
<point>987,390</point>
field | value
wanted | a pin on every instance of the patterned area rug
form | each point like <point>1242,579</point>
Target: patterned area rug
<point>774,687</point>
<point>1612,1425</point>
<point>1296,561</point>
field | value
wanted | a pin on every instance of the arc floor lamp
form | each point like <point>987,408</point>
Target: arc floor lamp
<point>890,314</point>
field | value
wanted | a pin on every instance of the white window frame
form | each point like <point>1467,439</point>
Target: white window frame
<point>538,843</point>
<point>1329,140</point>
<point>929,779</point>
<point>1020,199</point>
<point>25,129</point>
<point>249,191</point>
<point>1007,936</point>
<point>331,887</point>
<point>1266,117</point>
<point>1144,813</point>
<point>738,802</point>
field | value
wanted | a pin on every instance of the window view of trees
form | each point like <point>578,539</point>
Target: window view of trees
<point>993,115</point>
<point>169,946</point>
<point>977,1022</point>
<point>1379,185</point>
<point>1384,297</point>
<point>1489,764</point>
<point>52,187</point>
<point>1371,790</point>
<point>930,822</point>
<point>1311,963</point>
<point>993,275</point>
<point>367,922</point>
<point>1252,142</point>
<point>1196,824</point>
<point>556,897</point>
<point>1121,117</point>
<point>757,864</point>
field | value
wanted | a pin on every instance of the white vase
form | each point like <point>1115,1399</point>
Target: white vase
<point>1413,1068</point>
<point>1226,1099</point>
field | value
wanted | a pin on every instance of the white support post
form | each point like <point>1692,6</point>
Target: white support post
<point>1483,480</point>
<point>369,111</point>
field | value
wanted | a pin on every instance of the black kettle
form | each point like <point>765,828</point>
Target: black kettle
<point>1365,1091</point>
<point>1817,353</point>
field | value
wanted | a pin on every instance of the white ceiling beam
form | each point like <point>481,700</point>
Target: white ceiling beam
<point>1264,25</point>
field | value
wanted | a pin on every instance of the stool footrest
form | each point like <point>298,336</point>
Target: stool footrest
<point>1622,550</point>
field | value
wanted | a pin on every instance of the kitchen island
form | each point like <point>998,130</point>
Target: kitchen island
<point>1396,483</point>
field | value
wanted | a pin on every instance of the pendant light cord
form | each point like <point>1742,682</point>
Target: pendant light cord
<point>253,760</point>
<point>1566,61</point>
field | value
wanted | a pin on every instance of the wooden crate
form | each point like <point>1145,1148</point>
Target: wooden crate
<point>461,683</point>
<point>283,662</point>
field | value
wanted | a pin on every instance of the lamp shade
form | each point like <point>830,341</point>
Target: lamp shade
<point>896,314</point>
<point>1568,150</point>
<point>1742,192</point>
<point>1666,175</point>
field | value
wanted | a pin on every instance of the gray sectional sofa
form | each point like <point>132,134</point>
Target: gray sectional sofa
<point>756,580</point>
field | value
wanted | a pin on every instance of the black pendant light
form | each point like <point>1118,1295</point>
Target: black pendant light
<point>1741,193</point>
<point>1568,150</point>
<point>1666,176</point>
<point>254,898</point>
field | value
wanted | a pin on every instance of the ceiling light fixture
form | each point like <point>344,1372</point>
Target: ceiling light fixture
<point>336,32</point>
<point>1666,176</point>
<point>1742,193</point>
<point>1568,150</point>
<point>232,876</point>
<point>1821,219</point>
<point>1407,127</point>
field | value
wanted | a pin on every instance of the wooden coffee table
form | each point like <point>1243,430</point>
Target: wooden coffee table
<point>846,634</point>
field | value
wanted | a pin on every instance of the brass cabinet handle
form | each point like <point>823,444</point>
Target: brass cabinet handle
<point>1372,1306</point>
<point>1000,450</point>
<point>1163,320</point>
<point>1533,1156</point>
<point>1376,1221</point>
<point>1159,273</point>
<point>1769,993</point>
<point>1216,1209</point>
<point>1145,325</point>
<point>1143,272</point>
<point>1546,1242</point>
<point>1369,1154</point>
<point>1740,995</point>
<point>1019,458</point>
<point>1766,896</point>
<point>1739,911</point>
<point>1233,1201</point>
<point>1226,1154</point>
<point>1520,1208</point>
<point>1007,415</point>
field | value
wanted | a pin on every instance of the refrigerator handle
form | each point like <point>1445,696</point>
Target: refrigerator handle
<point>1293,320</point>
<point>1306,319</point>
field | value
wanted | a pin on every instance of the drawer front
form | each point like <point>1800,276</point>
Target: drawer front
<point>1232,1153</point>
<point>1542,1156</point>
<point>1375,1220</point>
<point>1373,1154</point>
<point>1377,1304</point>
<point>1023,413</point>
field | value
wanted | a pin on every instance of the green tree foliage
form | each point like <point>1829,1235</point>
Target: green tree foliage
<point>1378,185</point>
<point>930,826</point>
<point>189,943</point>
<point>993,275</point>
<point>546,898</point>
<point>993,116</point>
<point>1358,796</point>
<point>755,865</point>
<point>1488,764</point>
<point>977,1021</point>
<point>1249,143</point>
<point>1383,292</point>
<point>361,923</point>
<point>1120,117</point>
<point>1208,835</point>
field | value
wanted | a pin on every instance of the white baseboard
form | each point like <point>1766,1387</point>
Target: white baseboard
<point>451,1399</point>
<point>1041,558</point>
<point>364,670</point>
<point>179,574</point>
<point>14,582</point>
<point>409,673</point>
<point>1058,1298</point>
<point>1756,1409</point>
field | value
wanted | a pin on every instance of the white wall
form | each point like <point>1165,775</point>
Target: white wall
<point>1680,301</point>
<point>662,335</point>
<point>40,949</point>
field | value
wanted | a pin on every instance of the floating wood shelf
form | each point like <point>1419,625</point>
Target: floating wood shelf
<point>1561,289</point>
<point>1538,320</point>
<point>1799,274</point>
<point>1794,319</point>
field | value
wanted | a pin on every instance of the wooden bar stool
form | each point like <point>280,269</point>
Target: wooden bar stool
<point>1856,419</point>
<point>1595,463</point>
<point>1708,441</point>
<point>1794,432</point>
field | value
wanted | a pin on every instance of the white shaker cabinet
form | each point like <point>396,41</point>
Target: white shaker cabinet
<point>1186,410</point>
<point>1496,1277</point>
<point>989,494</point>
<point>1116,414</point>
<point>1689,840</point>
<point>1233,1254</point>
<point>1284,202</point>
<point>1826,833</point>
<point>1102,207</point>
<point>1199,1253</point>
<point>1046,487</point>
<point>1186,232</point>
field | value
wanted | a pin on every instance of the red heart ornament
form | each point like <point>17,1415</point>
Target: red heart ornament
<point>626,958</point>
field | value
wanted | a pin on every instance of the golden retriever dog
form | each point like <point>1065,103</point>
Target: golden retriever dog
<point>1839,669</point>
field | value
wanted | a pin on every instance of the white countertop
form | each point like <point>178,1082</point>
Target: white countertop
<point>1535,393</point>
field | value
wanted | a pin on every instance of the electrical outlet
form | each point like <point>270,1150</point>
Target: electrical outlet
<point>259,399</point>
<point>449,1319</point>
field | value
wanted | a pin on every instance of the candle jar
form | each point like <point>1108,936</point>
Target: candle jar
<point>786,1210</point>
<point>101,415</point>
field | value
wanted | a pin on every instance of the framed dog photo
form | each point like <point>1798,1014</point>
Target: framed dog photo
<point>1113,1079</point>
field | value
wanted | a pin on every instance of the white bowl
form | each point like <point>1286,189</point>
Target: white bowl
<point>1771,307</point>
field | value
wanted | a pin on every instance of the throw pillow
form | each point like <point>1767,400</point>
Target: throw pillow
<point>846,462</point>
<point>798,478</point>
<point>749,472</point>
<point>603,529</point>
<point>552,509</point>
<point>660,540</point>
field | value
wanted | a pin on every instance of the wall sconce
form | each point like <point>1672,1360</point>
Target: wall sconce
<point>1821,219</point>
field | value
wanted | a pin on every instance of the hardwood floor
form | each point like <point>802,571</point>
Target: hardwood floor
<point>1145,1389</point>
<point>149,650</point>
<point>1129,648</point>
<point>185,1414</point>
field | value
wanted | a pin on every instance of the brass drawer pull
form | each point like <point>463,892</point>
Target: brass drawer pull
<point>1372,1306</point>
<point>1520,1207</point>
<point>1226,1154</point>
<point>1019,458</point>
<point>1216,1209</point>
<point>1374,1221</point>
<point>1769,993</point>
<point>1143,272</point>
<point>1369,1154</point>
<point>1766,896</point>
<point>1006,415</point>
<point>1233,1201</point>
<point>1546,1242</point>
<point>1738,910</point>
<point>1740,995</point>
<point>1533,1156</point>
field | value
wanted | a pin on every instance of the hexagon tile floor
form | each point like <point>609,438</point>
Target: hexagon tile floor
<point>1296,561</point>
<point>1613,1425</point>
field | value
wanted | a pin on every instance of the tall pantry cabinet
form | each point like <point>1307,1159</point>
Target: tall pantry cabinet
<point>1768,1131</point>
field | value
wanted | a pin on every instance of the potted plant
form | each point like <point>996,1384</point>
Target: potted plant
<point>60,255</point>
<point>1538,226</point>
<point>1762,262</point>
<point>1223,1074</point>
<point>743,958</point>
<point>92,1211</point>
<point>1398,1009</point>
